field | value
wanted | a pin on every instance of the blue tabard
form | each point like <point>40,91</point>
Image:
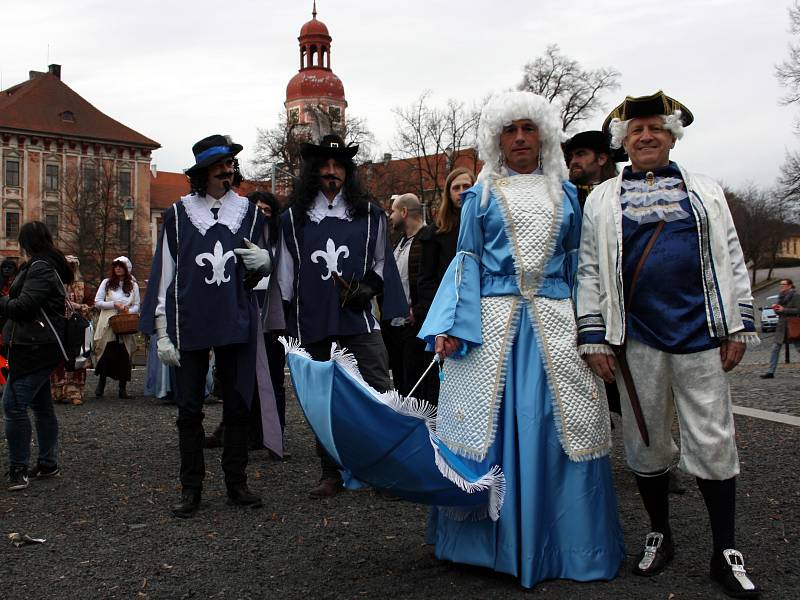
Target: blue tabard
<point>320,249</point>
<point>213,307</point>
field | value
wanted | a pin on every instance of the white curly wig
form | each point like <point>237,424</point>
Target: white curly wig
<point>500,111</point>
<point>619,129</point>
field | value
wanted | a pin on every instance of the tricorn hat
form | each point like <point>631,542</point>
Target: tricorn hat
<point>647,106</point>
<point>212,149</point>
<point>331,146</point>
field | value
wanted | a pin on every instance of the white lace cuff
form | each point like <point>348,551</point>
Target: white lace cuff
<point>585,349</point>
<point>750,338</point>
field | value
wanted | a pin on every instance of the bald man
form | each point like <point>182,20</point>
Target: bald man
<point>406,357</point>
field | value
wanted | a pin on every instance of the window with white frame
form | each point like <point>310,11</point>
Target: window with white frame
<point>12,172</point>
<point>51,178</point>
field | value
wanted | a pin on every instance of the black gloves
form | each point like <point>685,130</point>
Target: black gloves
<point>359,296</point>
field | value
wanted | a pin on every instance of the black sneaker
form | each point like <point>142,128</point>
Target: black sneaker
<point>767,376</point>
<point>17,478</point>
<point>728,571</point>
<point>41,471</point>
<point>657,554</point>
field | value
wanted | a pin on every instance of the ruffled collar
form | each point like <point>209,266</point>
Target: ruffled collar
<point>652,196</point>
<point>233,209</point>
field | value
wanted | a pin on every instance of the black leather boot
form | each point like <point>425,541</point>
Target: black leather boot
<point>187,505</point>
<point>101,387</point>
<point>123,393</point>
<point>240,495</point>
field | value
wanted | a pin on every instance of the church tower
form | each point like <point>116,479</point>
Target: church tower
<point>315,89</point>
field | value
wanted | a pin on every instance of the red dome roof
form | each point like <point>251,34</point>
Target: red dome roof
<point>314,82</point>
<point>314,27</point>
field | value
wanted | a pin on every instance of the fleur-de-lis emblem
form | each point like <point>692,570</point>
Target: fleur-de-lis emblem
<point>218,260</point>
<point>331,257</point>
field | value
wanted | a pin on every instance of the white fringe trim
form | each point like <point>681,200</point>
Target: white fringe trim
<point>749,338</point>
<point>493,480</point>
<point>585,349</point>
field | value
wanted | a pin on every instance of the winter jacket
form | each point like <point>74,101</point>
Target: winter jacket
<point>36,288</point>
<point>791,308</point>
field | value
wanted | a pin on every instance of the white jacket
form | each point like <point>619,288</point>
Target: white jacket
<point>726,286</point>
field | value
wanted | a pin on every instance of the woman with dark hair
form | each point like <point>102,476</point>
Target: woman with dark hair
<point>118,294</point>
<point>438,249</point>
<point>34,308</point>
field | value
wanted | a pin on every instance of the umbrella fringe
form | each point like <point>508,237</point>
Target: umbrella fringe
<point>411,407</point>
<point>292,346</point>
<point>493,480</point>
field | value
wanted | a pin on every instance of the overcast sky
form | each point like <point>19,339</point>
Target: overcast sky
<point>178,71</point>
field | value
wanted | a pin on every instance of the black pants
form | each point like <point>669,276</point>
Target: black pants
<point>191,379</point>
<point>407,359</point>
<point>373,364</point>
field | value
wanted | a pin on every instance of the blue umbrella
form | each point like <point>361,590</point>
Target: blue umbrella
<point>387,441</point>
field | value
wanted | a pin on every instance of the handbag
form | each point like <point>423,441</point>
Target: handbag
<point>74,334</point>
<point>793,329</point>
<point>124,323</point>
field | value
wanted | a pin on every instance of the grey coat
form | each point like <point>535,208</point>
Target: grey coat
<point>790,309</point>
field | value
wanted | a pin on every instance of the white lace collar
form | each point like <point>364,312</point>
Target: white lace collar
<point>319,209</point>
<point>233,209</point>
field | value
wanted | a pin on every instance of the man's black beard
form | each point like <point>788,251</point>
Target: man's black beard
<point>227,185</point>
<point>331,184</point>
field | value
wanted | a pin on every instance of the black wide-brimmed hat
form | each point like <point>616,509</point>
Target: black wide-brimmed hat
<point>647,106</point>
<point>331,146</point>
<point>212,149</point>
<point>596,141</point>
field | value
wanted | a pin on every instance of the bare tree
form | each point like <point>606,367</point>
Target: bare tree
<point>558,77</point>
<point>280,145</point>
<point>789,185</point>
<point>93,218</point>
<point>788,72</point>
<point>432,138</point>
<point>762,224</point>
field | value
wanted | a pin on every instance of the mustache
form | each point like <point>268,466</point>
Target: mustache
<point>330,178</point>
<point>225,175</point>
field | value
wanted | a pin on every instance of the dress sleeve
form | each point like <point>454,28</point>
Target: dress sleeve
<point>572,239</point>
<point>100,298</point>
<point>135,300</point>
<point>456,308</point>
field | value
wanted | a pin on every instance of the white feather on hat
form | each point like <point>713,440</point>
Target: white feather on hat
<point>501,110</point>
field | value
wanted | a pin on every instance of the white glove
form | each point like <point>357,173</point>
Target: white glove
<point>167,352</point>
<point>255,259</point>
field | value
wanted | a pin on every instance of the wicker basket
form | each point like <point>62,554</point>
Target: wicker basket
<point>124,323</point>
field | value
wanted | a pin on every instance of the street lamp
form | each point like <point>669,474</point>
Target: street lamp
<point>128,211</point>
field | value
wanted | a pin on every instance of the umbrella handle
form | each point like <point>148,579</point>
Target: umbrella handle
<point>435,360</point>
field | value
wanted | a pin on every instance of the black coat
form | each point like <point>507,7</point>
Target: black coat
<point>438,251</point>
<point>32,344</point>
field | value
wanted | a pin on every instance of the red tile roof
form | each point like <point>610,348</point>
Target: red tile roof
<point>38,106</point>
<point>166,189</point>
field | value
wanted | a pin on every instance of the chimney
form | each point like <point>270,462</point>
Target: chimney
<point>154,169</point>
<point>54,70</point>
<point>34,74</point>
<point>387,158</point>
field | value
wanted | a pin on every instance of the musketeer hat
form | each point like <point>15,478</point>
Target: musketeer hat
<point>212,149</point>
<point>331,146</point>
<point>647,106</point>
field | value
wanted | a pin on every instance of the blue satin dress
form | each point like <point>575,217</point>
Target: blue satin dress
<point>559,519</point>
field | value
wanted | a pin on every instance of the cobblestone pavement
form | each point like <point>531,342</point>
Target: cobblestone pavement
<point>782,394</point>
